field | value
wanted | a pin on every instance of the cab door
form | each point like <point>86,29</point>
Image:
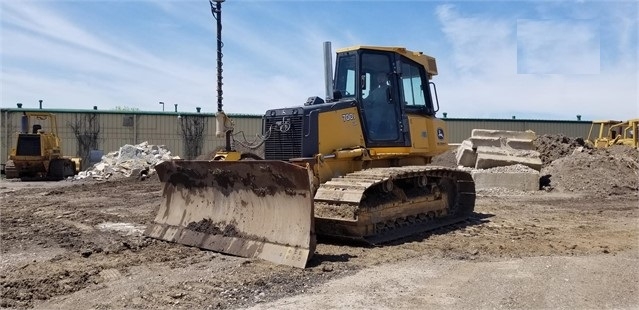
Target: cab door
<point>382,114</point>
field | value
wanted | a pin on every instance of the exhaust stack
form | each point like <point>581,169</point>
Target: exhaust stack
<point>328,71</point>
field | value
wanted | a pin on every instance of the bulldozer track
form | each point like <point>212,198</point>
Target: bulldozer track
<point>10,170</point>
<point>379,205</point>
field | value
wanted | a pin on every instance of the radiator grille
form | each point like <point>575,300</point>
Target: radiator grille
<point>28,145</point>
<point>285,141</point>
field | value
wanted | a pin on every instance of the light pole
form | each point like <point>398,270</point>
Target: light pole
<point>162,103</point>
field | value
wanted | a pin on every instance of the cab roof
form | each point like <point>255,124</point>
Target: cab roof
<point>428,62</point>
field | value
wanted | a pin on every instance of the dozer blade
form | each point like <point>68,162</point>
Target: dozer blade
<point>254,209</point>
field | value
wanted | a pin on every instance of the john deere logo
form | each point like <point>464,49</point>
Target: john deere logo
<point>440,134</point>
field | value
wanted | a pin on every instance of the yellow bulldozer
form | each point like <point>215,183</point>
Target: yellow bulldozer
<point>37,155</point>
<point>352,167</point>
<point>606,133</point>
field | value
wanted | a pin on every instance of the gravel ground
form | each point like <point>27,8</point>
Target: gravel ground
<point>545,282</point>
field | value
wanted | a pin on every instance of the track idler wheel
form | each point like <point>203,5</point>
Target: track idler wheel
<point>388,186</point>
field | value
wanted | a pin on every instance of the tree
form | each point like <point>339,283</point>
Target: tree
<point>86,128</point>
<point>193,128</point>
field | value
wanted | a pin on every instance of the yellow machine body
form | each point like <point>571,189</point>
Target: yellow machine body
<point>37,154</point>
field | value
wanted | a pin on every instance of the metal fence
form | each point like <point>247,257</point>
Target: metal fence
<point>174,130</point>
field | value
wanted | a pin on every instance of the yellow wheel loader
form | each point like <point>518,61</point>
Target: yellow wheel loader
<point>351,167</point>
<point>37,155</point>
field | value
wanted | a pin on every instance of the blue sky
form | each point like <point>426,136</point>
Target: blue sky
<point>540,59</point>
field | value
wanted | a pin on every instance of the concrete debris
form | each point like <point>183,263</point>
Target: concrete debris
<point>517,168</point>
<point>129,161</point>
<point>501,159</point>
<point>494,148</point>
<point>570,164</point>
<point>487,161</point>
<point>515,177</point>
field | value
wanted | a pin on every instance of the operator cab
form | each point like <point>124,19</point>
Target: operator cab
<point>388,83</point>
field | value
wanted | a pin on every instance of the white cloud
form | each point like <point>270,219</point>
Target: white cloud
<point>480,45</point>
<point>23,17</point>
<point>483,82</point>
<point>558,46</point>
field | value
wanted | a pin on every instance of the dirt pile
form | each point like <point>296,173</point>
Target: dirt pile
<point>129,160</point>
<point>552,147</point>
<point>611,171</point>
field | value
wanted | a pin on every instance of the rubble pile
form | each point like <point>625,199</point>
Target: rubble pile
<point>129,161</point>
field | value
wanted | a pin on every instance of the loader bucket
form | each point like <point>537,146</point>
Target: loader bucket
<point>254,209</point>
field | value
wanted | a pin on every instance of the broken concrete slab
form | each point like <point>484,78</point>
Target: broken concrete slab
<point>520,144</point>
<point>528,134</point>
<point>486,141</point>
<point>465,154</point>
<point>486,161</point>
<point>522,181</point>
<point>507,151</point>
<point>505,145</point>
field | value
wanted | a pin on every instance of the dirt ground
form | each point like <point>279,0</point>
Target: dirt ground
<point>78,245</point>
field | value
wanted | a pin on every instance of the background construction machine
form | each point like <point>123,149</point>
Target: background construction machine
<point>351,167</point>
<point>37,155</point>
<point>606,133</point>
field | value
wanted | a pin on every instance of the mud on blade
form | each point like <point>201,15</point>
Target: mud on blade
<point>254,209</point>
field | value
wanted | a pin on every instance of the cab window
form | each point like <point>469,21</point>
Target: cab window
<point>415,87</point>
<point>345,78</point>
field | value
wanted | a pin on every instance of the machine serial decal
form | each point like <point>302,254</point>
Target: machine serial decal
<point>348,117</point>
